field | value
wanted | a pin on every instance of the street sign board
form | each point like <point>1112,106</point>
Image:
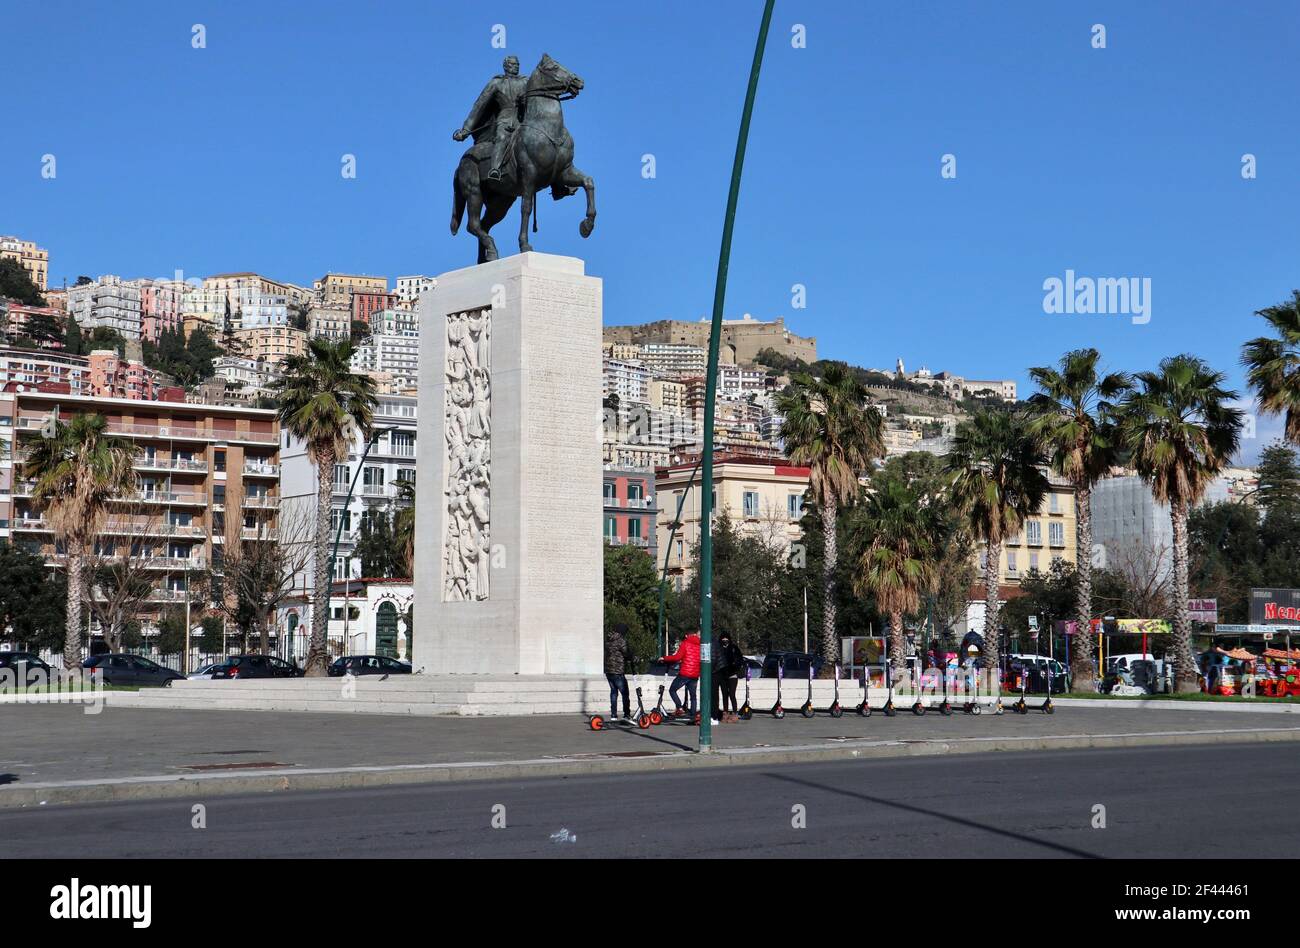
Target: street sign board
<point>1280,607</point>
<point>1203,610</point>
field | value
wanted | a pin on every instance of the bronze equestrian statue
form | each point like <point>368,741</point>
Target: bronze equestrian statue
<point>520,147</point>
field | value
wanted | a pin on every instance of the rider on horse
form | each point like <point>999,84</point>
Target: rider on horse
<point>501,96</point>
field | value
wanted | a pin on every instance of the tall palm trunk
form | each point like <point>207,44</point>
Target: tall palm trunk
<point>1185,661</point>
<point>317,652</point>
<point>897,658</point>
<point>1083,661</point>
<point>830,648</point>
<point>73,615</point>
<point>992,580</point>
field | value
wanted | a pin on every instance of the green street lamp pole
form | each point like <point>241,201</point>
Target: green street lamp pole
<point>710,394</point>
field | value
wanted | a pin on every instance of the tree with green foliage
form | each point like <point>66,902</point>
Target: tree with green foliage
<point>1073,418</point>
<point>829,427</point>
<point>1180,432</point>
<point>998,480</point>
<point>323,402</point>
<point>171,632</point>
<point>16,283</point>
<point>32,600</point>
<point>44,330</point>
<point>1051,597</point>
<point>73,344</point>
<point>377,548</point>
<point>211,639</point>
<point>79,469</point>
<point>1279,477</point>
<point>1272,365</point>
<point>631,597</point>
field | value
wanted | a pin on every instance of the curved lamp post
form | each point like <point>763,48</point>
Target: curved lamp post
<point>710,394</point>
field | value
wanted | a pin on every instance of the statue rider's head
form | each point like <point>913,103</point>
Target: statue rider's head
<point>511,65</point>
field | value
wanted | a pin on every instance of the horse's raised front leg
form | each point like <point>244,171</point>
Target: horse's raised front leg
<point>574,178</point>
<point>525,211</point>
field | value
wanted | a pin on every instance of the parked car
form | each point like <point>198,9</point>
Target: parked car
<point>26,668</point>
<point>794,664</point>
<point>367,665</point>
<point>126,669</point>
<point>255,666</point>
<point>1036,667</point>
<point>204,673</point>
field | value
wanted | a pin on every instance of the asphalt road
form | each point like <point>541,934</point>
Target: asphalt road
<point>1159,802</point>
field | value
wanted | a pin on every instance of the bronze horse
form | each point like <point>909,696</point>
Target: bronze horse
<point>542,153</point>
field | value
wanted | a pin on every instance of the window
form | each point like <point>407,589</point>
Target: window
<point>679,549</point>
<point>1034,531</point>
<point>611,528</point>
<point>406,475</point>
<point>219,460</point>
<point>403,443</point>
<point>794,506</point>
<point>751,503</point>
<point>1033,560</point>
<point>342,476</point>
<point>1056,532</point>
<point>336,514</point>
<point>634,528</point>
<point>611,494</point>
<point>1055,503</point>
<point>635,491</point>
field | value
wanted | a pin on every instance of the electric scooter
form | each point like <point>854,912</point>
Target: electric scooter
<point>835,710</point>
<point>1020,707</point>
<point>918,707</point>
<point>945,708</point>
<point>778,711</point>
<point>864,709</point>
<point>658,714</point>
<point>746,711</point>
<point>598,722</point>
<point>807,709</point>
<point>889,708</point>
<point>1046,706</point>
<point>972,705</point>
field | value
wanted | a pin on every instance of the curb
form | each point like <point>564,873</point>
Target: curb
<point>1165,704</point>
<point>184,786</point>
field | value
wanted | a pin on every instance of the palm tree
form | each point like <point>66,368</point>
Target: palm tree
<point>1180,433</point>
<point>1273,365</point>
<point>830,428</point>
<point>78,470</point>
<point>1072,416</point>
<point>902,561</point>
<point>322,402</point>
<point>404,525</point>
<point>998,480</point>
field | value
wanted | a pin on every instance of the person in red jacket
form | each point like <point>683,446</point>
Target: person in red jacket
<point>688,673</point>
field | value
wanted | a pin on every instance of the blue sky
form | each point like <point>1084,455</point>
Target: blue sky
<point>1115,162</point>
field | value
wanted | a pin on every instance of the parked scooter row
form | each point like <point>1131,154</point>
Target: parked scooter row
<point>659,715</point>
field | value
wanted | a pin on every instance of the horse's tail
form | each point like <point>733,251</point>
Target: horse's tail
<point>457,204</point>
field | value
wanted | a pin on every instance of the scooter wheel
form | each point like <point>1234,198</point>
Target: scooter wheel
<point>945,709</point>
<point>596,722</point>
<point>918,709</point>
<point>836,710</point>
<point>746,713</point>
<point>976,709</point>
<point>807,710</point>
<point>778,712</point>
<point>643,721</point>
<point>656,717</point>
<point>890,710</point>
<point>1020,707</point>
<point>1048,709</point>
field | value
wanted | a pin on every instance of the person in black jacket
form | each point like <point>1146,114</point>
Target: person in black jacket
<point>617,656</point>
<point>727,668</point>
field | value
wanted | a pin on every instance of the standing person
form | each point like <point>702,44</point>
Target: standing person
<point>687,657</point>
<point>729,665</point>
<point>617,656</point>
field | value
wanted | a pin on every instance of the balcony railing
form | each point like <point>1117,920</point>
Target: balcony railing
<point>261,469</point>
<point>172,464</point>
<point>167,497</point>
<point>257,533</point>
<point>175,432</point>
<point>32,524</point>
<point>261,501</point>
<point>376,490</point>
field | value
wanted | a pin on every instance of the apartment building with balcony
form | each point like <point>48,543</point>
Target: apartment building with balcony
<point>409,288</point>
<point>271,345</point>
<point>162,306</point>
<point>336,289</point>
<point>631,511</point>
<point>390,459</point>
<point>110,302</point>
<point>208,477</point>
<point>35,260</point>
<point>761,496</point>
